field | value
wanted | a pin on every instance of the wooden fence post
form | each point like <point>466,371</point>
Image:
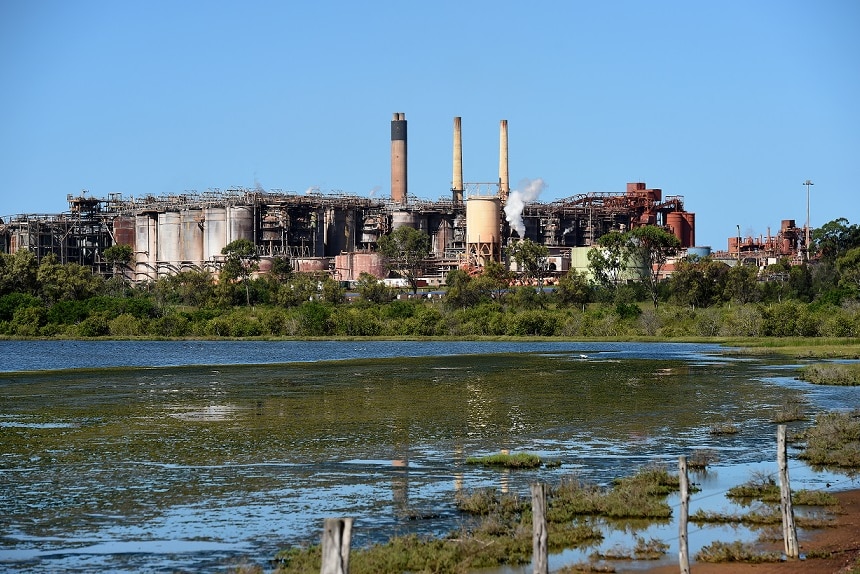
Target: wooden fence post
<point>337,534</point>
<point>683,545</point>
<point>789,530</point>
<point>539,541</point>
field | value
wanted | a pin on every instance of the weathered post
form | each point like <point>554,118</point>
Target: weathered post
<point>540,557</point>
<point>337,533</point>
<point>683,545</point>
<point>789,531</point>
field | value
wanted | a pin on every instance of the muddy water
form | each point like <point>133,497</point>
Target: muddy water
<point>193,456</point>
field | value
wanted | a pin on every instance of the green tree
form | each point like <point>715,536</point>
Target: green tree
<point>66,282</point>
<point>19,273</point>
<point>609,259</point>
<point>573,288</point>
<point>193,288</point>
<point>372,289</point>
<point>650,247</point>
<point>835,238</point>
<point>698,282</point>
<point>531,259</point>
<point>848,266</point>
<point>405,251</point>
<point>741,284</point>
<point>119,256</point>
<point>241,262</point>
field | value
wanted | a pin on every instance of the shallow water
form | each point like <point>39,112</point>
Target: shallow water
<point>165,456</point>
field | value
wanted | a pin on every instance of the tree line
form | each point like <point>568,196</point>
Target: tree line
<point>624,295</point>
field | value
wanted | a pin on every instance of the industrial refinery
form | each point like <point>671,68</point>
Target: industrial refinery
<point>338,233</point>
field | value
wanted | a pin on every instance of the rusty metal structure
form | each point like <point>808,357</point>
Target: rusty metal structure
<point>333,232</point>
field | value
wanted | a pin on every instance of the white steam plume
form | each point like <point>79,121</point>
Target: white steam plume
<point>528,190</point>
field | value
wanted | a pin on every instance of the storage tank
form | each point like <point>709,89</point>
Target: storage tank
<point>168,238</point>
<point>690,220</point>
<point>700,252</point>
<point>310,264</point>
<point>124,231</point>
<point>350,266</point>
<point>483,229</point>
<point>191,235</point>
<point>145,241</point>
<point>402,219</point>
<point>214,232</point>
<point>675,221</point>
<point>241,221</point>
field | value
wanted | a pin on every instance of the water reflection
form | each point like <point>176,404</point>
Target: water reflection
<point>249,459</point>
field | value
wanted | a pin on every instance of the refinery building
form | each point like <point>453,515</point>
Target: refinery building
<point>338,233</point>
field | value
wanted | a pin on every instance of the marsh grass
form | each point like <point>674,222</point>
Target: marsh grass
<point>764,516</point>
<point>724,428</point>
<point>789,411</point>
<point>841,374</point>
<point>734,552</point>
<point>763,487</point>
<point>507,460</point>
<point>502,531</point>
<point>833,441</point>
<point>651,549</point>
<point>701,458</point>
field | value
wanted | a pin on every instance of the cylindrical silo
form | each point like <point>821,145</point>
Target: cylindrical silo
<point>191,235</point>
<point>168,239</point>
<point>483,224</point>
<point>145,244</point>
<point>676,223</point>
<point>214,232</point>
<point>402,219</point>
<point>690,228</point>
<point>241,222</point>
<point>124,231</point>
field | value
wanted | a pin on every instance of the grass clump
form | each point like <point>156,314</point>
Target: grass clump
<point>789,411</point>
<point>651,549</point>
<point>734,552</point>
<point>701,458</point>
<point>507,460</point>
<point>724,428</point>
<point>842,374</point>
<point>763,487</point>
<point>834,440</point>
<point>639,496</point>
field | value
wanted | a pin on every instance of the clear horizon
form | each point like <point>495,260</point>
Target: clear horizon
<point>730,105</point>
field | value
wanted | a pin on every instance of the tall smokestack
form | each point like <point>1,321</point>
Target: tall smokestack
<point>504,182</point>
<point>457,180</point>
<point>398,158</point>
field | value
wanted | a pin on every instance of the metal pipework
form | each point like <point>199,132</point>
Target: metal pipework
<point>457,179</point>
<point>398,158</point>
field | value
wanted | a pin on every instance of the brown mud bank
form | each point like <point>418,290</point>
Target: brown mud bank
<point>836,550</point>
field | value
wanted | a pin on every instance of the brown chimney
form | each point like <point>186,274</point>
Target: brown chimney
<point>398,158</point>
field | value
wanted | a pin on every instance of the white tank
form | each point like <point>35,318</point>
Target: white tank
<point>214,232</point>
<point>168,238</point>
<point>241,221</point>
<point>144,246</point>
<point>191,235</point>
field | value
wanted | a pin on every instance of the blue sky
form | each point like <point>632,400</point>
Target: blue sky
<point>731,104</point>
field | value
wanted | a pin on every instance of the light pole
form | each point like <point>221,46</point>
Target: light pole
<point>807,183</point>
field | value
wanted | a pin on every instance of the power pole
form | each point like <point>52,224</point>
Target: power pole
<point>807,183</point>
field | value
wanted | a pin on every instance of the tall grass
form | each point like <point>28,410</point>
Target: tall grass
<point>842,374</point>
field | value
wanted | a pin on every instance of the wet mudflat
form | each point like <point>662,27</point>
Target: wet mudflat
<point>156,466</point>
